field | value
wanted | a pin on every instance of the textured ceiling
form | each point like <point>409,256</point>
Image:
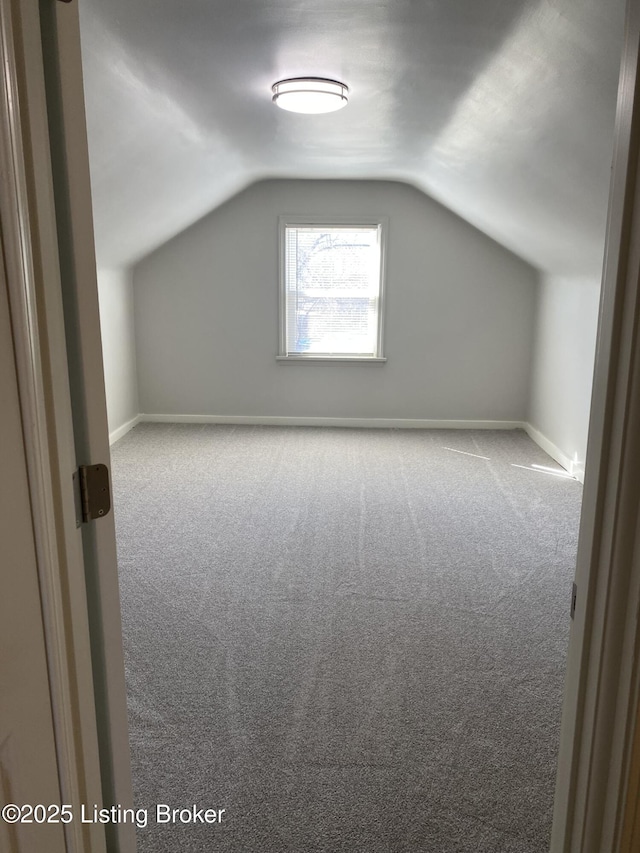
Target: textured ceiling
<point>502,110</point>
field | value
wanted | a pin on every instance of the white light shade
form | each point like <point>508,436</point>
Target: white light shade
<point>310,95</point>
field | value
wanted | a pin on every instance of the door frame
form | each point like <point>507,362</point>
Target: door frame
<point>28,237</point>
<point>84,647</point>
<point>603,674</point>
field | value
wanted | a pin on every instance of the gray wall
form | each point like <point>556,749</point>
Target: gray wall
<point>458,327</point>
<point>563,360</point>
<point>115,293</point>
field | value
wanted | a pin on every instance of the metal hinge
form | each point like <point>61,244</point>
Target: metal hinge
<point>574,595</point>
<point>93,493</point>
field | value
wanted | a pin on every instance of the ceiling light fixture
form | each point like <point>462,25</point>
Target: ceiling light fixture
<point>310,95</point>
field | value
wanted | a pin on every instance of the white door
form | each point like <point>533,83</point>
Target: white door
<point>47,228</point>
<point>28,761</point>
<point>72,195</point>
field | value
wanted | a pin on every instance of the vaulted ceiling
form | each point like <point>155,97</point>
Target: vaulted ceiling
<point>502,110</point>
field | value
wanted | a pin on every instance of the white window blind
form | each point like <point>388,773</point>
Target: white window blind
<point>332,290</point>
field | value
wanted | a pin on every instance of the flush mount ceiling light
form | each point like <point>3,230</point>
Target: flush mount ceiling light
<point>310,95</point>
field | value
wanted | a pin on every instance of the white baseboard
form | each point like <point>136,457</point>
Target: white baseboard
<point>124,429</point>
<point>576,469</point>
<point>381,423</point>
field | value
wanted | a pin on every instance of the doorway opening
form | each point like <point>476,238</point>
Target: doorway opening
<point>534,468</point>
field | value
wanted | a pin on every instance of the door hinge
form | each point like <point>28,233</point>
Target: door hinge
<point>93,493</point>
<point>574,595</point>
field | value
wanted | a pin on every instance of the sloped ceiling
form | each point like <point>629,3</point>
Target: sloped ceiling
<point>502,110</point>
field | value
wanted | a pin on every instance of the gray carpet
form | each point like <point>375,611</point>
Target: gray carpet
<point>351,640</point>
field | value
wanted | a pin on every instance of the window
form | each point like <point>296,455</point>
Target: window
<point>331,290</point>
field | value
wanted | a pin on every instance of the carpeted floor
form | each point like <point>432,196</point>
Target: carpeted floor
<point>351,640</point>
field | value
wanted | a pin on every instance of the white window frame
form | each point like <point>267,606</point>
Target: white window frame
<point>314,221</point>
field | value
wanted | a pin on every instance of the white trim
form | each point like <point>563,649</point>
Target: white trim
<point>59,47</point>
<point>576,469</point>
<point>603,669</point>
<point>27,222</point>
<point>359,423</point>
<point>311,359</point>
<point>123,429</point>
<point>381,223</point>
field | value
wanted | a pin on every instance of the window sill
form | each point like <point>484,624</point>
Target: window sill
<point>283,359</point>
